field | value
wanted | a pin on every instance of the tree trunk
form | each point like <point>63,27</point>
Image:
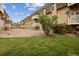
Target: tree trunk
<point>46,32</point>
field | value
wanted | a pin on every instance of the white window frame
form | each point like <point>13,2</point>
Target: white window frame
<point>74,15</point>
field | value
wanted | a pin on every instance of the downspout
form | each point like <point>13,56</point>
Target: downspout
<point>55,9</point>
<point>44,12</point>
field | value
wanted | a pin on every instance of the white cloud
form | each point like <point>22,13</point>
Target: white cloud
<point>27,4</point>
<point>27,14</point>
<point>34,5</point>
<point>15,13</point>
<point>13,6</point>
<point>31,8</point>
<point>4,6</point>
<point>38,4</point>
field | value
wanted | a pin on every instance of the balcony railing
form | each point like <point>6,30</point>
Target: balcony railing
<point>35,24</point>
<point>74,19</point>
<point>2,10</point>
<point>35,17</point>
<point>69,4</point>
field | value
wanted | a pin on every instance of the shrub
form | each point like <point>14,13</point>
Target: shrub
<point>47,23</point>
<point>62,29</point>
<point>58,29</point>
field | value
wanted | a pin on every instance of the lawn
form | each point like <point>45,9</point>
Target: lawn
<point>58,45</point>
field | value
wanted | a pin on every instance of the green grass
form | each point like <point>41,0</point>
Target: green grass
<point>59,45</point>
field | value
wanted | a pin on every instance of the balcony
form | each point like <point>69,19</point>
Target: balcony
<point>69,4</point>
<point>74,19</point>
<point>2,10</point>
<point>35,26</point>
<point>35,17</point>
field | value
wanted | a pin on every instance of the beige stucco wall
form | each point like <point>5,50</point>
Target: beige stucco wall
<point>49,15</point>
<point>28,25</point>
<point>1,23</point>
<point>62,16</point>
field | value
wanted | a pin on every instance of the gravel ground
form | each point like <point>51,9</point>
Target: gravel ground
<point>21,33</point>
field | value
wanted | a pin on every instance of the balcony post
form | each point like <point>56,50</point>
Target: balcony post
<point>44,12</point>
<point>55,9</point>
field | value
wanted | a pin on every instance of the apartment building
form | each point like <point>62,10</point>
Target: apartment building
<point>73,18</point>
<point>26,23</point>
<point>68,14</point>
<point>13,25</point>
<point>1,18</point>
<point>32,20</point>
<point>5,21</point>
<point>73,14</point>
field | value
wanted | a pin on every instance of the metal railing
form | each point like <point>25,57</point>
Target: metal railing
<point>74,19</point>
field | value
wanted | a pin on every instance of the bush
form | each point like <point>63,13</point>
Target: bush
<point>69,29</point>
<point>57,29</point>
<point>62,29</point>
<point>47,23</point>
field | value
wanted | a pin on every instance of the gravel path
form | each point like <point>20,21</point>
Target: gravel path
<point>21,33</point>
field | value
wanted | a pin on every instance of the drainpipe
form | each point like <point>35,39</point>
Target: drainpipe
<point>55,9</point>
<point>68,14</point>
<point>52,9</point>
<point>44,12</point>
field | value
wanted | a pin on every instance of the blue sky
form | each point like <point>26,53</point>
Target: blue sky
<point>19,11</point>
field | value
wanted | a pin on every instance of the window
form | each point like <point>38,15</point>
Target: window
<point>77,12</point>
<point>36,20</point>
<point>77,16</point>
<point>74,17</point>
<point>72,13</point>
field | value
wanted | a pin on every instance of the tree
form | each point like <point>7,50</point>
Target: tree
<point>47,23</point>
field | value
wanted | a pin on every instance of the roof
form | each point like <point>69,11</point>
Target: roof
<point>1,9</point>
<point>61,5</point>
<point>47,7</point>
